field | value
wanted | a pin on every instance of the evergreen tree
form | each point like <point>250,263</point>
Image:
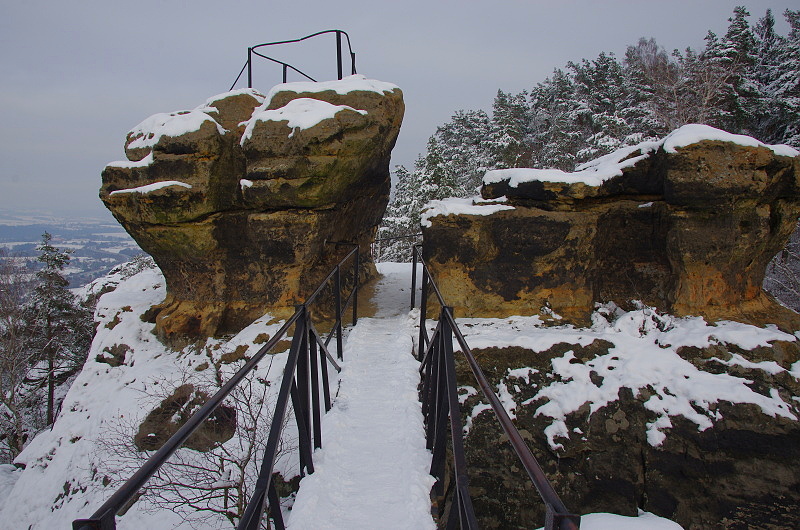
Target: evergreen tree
<point>16,401</point>
<point>785,90</point>
<point>555,118</point>
<point>62,327</point>
<point>509,131</point>
<point>653,80</point>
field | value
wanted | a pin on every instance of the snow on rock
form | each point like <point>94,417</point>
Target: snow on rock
<point>146,161</point>
<point>695,132</point>
<point>470,206</point>
<point>345,85</point>
<point>610,521</point>
<point>147,188</point>
<point>210,104</point>
<point>592,173</point>
<point>147,134</point>
<point>300,113</point>
<point>597,171</point>
<point>795,371</point>
<point>644,356</point>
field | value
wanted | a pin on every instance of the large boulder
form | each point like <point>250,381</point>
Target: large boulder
<point>686,225</point>
<point>238,199</point>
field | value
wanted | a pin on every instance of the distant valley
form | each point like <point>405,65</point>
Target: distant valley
<point>97,244</point>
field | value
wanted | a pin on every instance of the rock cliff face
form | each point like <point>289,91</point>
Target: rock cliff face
<point>236,199</point>
<point>686,225</point>
<point>706,436</point>
<point>634,409</point>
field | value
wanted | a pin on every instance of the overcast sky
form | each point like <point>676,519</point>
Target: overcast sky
<point>76,75</point>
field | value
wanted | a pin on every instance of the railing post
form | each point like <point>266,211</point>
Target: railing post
<point>95,524</point>
<point>339,54</point>
<point>250,67</point>
<point>355,285</point>
<point>285,73</point>
<point>353,62</point>
<point>423,309</point>
<point>413,276</point>
<point>338,288</point>
<point>463,502</point>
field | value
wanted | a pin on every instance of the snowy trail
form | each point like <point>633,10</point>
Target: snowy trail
<point>372,471</point>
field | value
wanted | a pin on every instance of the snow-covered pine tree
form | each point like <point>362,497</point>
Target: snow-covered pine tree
<point>458,155</point>
<point>785,89</point>
<point>739,49</point>
<point>61,328</point>
<point>508,138</point>
<point>16,402</point>
<point>600,83</point>
<point>653,80</point>
<point>555,117</point>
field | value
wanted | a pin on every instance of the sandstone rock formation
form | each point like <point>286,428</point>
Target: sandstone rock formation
<point>742,472</point>
<point>686,225</point>
<point>236,199</point>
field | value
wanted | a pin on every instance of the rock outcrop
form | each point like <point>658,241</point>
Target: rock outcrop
<point>237,199</point>
<point>686,225</point>
<point>679,442</point>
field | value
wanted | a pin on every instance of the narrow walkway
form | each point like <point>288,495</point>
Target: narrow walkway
<point>372,471</point>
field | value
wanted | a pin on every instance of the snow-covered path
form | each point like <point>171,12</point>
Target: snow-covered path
<point>372,471</point>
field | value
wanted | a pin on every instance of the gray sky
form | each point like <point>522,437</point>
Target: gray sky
<point>77,75</point>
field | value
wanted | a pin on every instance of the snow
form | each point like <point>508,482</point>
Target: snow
<point>300,113</point>
<point>597,171</point>
<point>209,104</point>
<point>147,134</point>
<point>147,188</point>
<point>609,521</point>
<point>8,477</point>
<point>455,206</point>
<point>592,173</point>
<point>695,132</point>
<point>795,371</point>
<point>771,367</point>
<point>345,85</point>
<point>144,162</point>
<point>372,470</point>
<point>644,356</point>
<point>245,183</point>
<point>105,399</point>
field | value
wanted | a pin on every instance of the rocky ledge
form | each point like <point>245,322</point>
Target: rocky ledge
<point>687,225</point>
<point>237,198</point>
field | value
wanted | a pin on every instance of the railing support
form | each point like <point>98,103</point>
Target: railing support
<point>339,54</point>
<point>439,395</point>
<point>308,357</point>
<point>250,68</point>
<point>413,276</point>
<point>252,50</point>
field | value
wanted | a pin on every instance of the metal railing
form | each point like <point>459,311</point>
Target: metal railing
<point>251,51</point>
<point>440,405</point>
<point>300,383</point>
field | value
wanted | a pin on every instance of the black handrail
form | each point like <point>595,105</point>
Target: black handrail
<point>440,403</point>
<point>301,376</point>
<point>286,66</point>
